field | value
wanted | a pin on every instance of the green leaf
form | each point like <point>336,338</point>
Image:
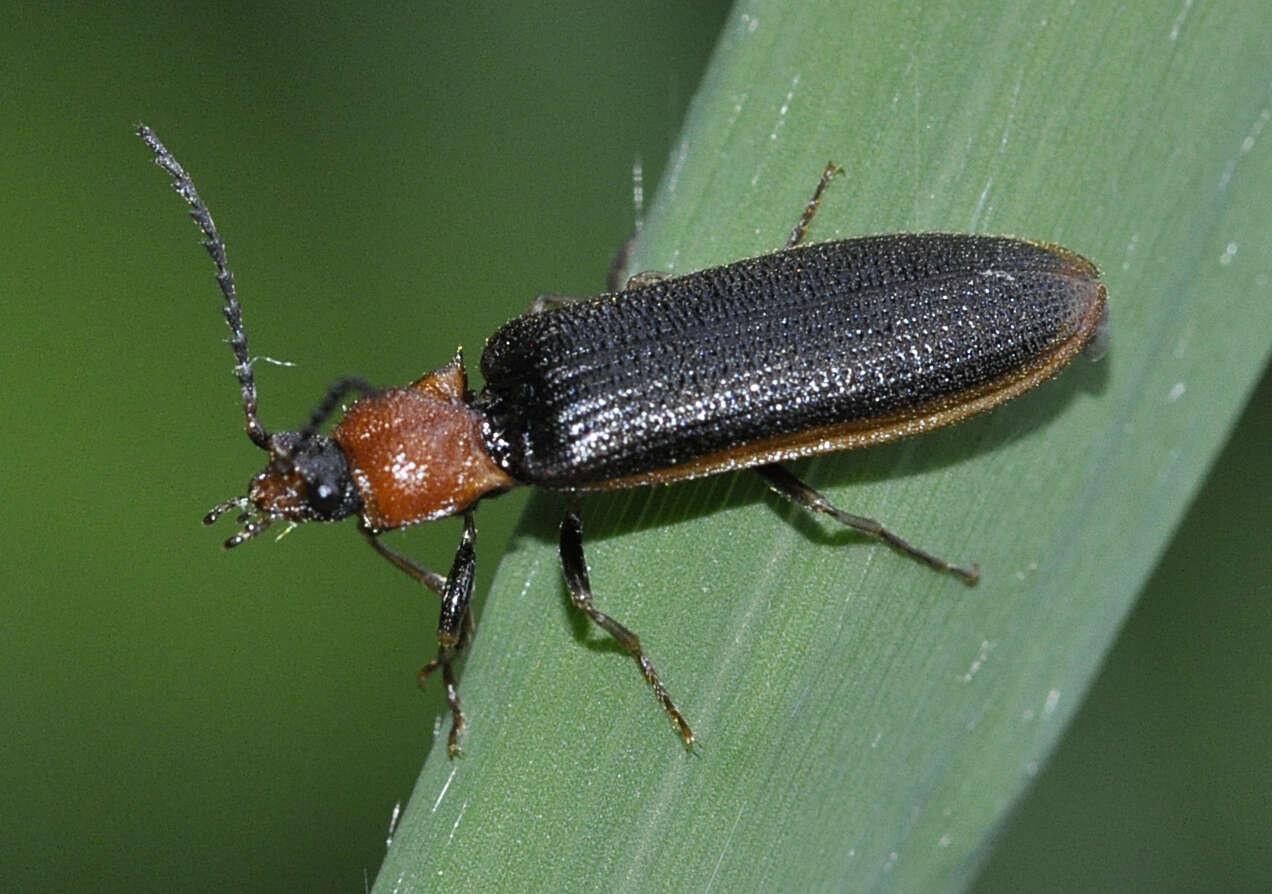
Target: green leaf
<point>864,722</point>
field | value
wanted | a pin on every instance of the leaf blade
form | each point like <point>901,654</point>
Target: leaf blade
<point>866,723</point>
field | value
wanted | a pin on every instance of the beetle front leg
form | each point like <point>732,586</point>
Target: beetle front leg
<point>574,567</point>
<point>454,628</point>
<point>426,576</point>
<point>551,301</point>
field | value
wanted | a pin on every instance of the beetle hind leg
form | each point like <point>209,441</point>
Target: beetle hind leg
<point>790,487</point>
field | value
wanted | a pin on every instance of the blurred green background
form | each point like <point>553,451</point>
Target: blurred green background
<point>392,184</point>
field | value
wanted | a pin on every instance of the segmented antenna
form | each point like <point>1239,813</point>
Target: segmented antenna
<point>336,393</point>
<point>233,311</point>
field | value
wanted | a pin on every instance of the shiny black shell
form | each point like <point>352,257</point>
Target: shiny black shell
<point>800,340</point>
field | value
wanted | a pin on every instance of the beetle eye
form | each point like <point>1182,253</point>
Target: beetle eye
<point>325,498</point>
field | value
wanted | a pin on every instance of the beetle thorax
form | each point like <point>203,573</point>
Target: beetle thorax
<point>416,453</point>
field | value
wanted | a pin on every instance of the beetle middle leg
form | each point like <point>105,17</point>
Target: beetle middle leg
<point>783,482</point>
<point>574,567</point>
<point>648,277</point>
<point>810,210</point>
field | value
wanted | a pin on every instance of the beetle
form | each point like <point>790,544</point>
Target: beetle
<point>810,349</point>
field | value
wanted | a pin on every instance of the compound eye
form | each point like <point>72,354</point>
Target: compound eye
<point>326,498</point>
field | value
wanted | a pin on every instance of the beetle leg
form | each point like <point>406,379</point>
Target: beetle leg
<point>624,253</point>
<point>454,627</point>
<point>646,278</point>
<point>575,568</point>
<point>810,210</point>
<point>550,301</point>
<point>426,576</point>
<point>786,484</point>
<point>619,261</point>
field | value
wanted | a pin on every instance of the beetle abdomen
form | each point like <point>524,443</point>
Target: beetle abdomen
<point>814,348</point>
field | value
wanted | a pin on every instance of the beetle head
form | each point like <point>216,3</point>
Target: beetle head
<point>307,479</point>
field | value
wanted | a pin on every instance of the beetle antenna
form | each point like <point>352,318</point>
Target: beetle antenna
<point>331,400</point>
<point>233,311</point>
